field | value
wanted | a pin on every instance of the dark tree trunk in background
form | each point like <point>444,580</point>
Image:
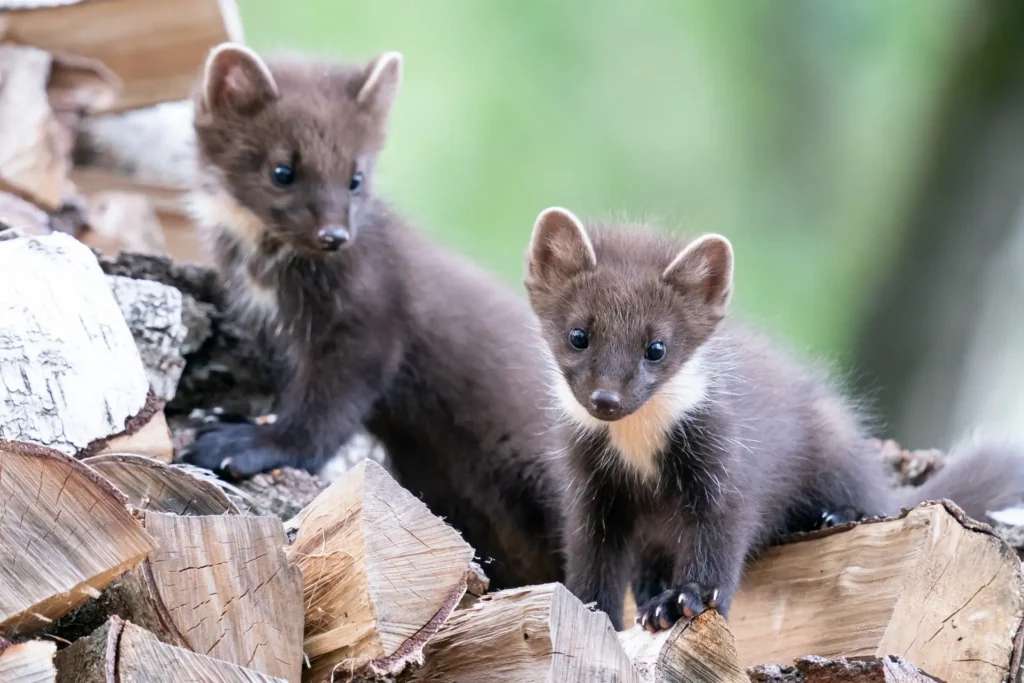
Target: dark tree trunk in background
<point>943,349</point>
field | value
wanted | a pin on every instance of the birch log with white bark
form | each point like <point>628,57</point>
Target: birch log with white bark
<point>70,372</point>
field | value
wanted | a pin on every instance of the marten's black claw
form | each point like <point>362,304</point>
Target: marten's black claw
<point>235,451</point>
<point>663,611</point>
<point>831,518</point>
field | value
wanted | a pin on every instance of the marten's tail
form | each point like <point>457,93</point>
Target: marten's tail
<point>979,477</point>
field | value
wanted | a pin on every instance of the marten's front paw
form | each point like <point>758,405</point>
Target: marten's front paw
<point>235,451</point>
<point>831,518</point>
<point>688,601</point>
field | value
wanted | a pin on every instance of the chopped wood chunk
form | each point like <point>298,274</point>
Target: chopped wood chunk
<point>121,652</point>
<point>35,148</point>
<point>380,572</point>
<point>933,585</point>
<point>70,372</point>
<point>700,650</point>
<point>29,662</point>
<point>217,585</point>
<point>526,635</point>
<point>153,485</point>
<point>64,535</point>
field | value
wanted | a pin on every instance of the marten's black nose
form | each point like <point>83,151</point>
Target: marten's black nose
<point>333,237</point>
<point>606,403</point>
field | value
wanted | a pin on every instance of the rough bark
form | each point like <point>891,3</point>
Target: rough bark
<point>64,535</point>
<point>69,368</point>
<point>919,585</point>
<point>154,315</point>
<point>888,669</point>
<point>526,635</point>
<point>380,574</point>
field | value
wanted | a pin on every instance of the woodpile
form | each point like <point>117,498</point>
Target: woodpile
<point>117,565</point>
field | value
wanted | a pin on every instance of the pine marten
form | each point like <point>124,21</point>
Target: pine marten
<point>375,326</point>
<point>697,441</point>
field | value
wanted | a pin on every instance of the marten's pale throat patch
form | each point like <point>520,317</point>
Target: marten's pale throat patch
<point>640,437</point>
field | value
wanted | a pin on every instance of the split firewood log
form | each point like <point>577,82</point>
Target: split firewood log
<point>932,585</point>
<point>153,485</point>
<point>889,669</point>
<point>64,535</point>
<point>155,48</point>
<point>122,652</point>
<point>701,650</point>
<point>381,574</point>
<point>525,635</point>
<point>28,662</point>
<point>218,585</point>
<point>70,372</point>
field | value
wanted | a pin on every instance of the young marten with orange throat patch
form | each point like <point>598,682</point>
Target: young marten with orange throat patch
<point>374,325</point>
<point>697,442</point>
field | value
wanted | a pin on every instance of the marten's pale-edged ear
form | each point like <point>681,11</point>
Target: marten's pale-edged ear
<point>379,89</point>
<point>704,269</point>
<point>559,247</point>
<point>237,79</point>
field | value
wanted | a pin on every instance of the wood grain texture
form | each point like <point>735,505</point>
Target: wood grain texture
<point>155,48</point>
<point>64,535</point>
<point>526,635</point>
<point>123,652</point>
<point>29,662</point>
<point>152,485</point>
<point>700,650</point>
<point>70,372</point>
<point>229,589</point>
<point>381,573</point>
<point>931,586</point>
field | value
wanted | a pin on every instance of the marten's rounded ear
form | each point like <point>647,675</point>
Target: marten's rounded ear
<point>559,247</point>
<point>704,269</point>
<point>380,86</point>
<point>236,79</point>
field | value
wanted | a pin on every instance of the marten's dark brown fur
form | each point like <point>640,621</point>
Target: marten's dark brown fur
<point>374,325</point>
<point>697,440</point>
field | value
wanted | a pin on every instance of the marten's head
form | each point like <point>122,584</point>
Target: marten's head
<point>625,314</point>
<point>287,149</point>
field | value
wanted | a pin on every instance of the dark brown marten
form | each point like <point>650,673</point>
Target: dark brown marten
<point>697,441</point>
<point>373,325</point>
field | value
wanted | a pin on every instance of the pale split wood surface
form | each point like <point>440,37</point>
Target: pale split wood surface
<point>380,572</point>
<point>64,535</point>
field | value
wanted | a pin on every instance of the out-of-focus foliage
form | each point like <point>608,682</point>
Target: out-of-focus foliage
<point>795,128</point>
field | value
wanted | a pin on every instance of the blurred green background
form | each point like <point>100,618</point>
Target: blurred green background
<point>799,129</point>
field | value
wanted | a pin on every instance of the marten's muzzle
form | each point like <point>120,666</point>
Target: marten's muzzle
<point>333,237</point>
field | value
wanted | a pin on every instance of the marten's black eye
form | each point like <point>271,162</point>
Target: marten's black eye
<point>578,339</point>
<point>655,352</point>
<point>356,184</point>
<point>282,175</point>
